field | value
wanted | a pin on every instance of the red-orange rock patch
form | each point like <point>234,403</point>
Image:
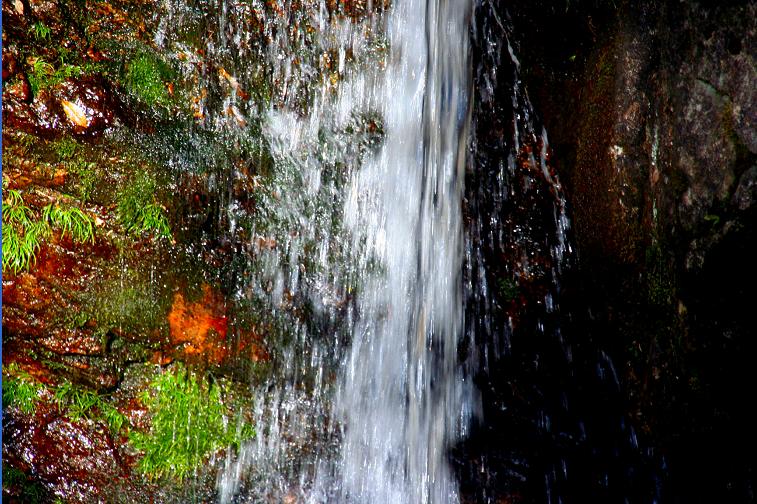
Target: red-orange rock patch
<point>199,328</point>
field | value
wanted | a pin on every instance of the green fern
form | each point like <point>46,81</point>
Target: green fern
<point>188,424</point>
<point>79,404</point>
<point>21,234</point>
<point>70,220</point>
<point>40,31</point>
<point>138,210</point>
<point>20,389</point>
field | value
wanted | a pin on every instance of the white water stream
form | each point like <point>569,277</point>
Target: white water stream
<point>399,400</point>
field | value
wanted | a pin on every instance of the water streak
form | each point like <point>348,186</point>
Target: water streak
<point>402,395</point>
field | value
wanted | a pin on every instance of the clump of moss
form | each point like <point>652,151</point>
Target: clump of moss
<point>138,209</point>
<point>146,77</point>
<point>508,289</point>
<point>126,303</point>
<point>189,423</point>
<point>18,484</point>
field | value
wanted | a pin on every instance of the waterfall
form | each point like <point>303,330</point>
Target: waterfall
<point>401,395</point>
<point>368,412</point>
<point>381,305</point>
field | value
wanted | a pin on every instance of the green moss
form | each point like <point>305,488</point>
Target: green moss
<point>87,175</point>
<point>138,209</point>
<point>65,148</point>
<point>146,77</point>
<point>18,484</point>
<point>127,304</point>
<point>660,280</point>
<point>189,423</point>
<point>508,289</point>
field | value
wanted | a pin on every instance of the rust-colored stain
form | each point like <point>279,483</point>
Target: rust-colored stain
<point>199,328</point>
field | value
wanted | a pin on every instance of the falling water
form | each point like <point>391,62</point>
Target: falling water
<point>381,430</point>
<point>401,394</point>
<point>362,229</point>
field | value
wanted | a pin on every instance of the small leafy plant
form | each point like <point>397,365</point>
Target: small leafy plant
<point>20,390</point>
<point>21,234</point>
<point>81,404</point>
<point>23,231</point>
<point>40,31</point>
<point>138,210</point>
<point>70,220</point>
<point>189,422</point>
<point>44,75</point>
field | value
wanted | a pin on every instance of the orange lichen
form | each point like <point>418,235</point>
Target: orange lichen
<point>199,329</point>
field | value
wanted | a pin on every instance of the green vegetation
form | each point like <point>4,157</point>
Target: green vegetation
<point>138,210</point>
<point>66,148</point>
<point>40,31</point>
<point>21,233</point>
<point>126,303</point>
<point>88,177</point>
<point>70,220</point>
<point>20,390</point>
<point>23,391</point>
<point>81,404</point>
<point>44,75</point>
<point>508,289</point>
<point>189,422</point>
<point>146,78</point>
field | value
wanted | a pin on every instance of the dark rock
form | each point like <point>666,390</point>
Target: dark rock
<point>651,109</point>
<point>745,195</point>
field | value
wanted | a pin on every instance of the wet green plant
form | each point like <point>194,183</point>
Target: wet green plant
<point>138,209</point>
<point>43,74</point>
<point>70,220</point>
<point>23,231</point>
<point>22,234</point>
<point>40,31</point>
<point>79,404</point>
<point>88,177</point>
<point>20,390</point>
<point>145,78</point>
<point>65,148</point>
<point>189,423</point>
<point>508,289</point>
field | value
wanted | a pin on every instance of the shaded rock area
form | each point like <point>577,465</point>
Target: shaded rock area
<point>650,110</point>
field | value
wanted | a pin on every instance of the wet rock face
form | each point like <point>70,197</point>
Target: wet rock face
<point>650,108</point>
<point>90,109</point>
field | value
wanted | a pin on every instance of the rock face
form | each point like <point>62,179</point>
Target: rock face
<point>651,111</point>
<point>126,279</point>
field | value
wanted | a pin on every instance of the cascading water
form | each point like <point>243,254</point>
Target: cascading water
<point>400,401</point>
<point>401,395</point>
<point>360,253</point>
